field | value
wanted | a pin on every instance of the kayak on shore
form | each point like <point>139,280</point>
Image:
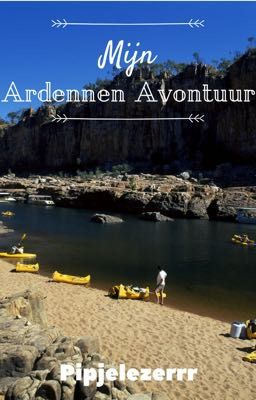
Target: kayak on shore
<point>131,292</point>
<point>75,280</point>
<point>17,255</point>
<point>128,292</point>
<point>20,267</point>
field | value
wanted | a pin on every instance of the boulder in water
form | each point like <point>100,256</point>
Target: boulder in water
<point>106,219</point>
<point>155,217</point>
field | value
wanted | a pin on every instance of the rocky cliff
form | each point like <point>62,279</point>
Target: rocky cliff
<point>228,134</point>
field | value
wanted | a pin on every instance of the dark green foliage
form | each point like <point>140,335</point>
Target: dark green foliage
<point>197,57</point>
<point>16,116</point>
<point>121,169</point>
<point>3,122</point>
<point>99,84</point>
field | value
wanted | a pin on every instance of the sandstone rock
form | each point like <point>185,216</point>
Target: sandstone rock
<point>54,373</point>
<point>175,198</point>
<point>119,394</point>
<point>85,392</point>
<point>6,383</point>
<point>185,175</point>
<point>64,349</point>
<point>106,219</point>
<point>46,362</point>
<point>130,388</point>
<point>155,217</point>
<point>134,202</point>
<point>172,204</point>
<point>48,390</point>
<point>40,337</point>
<point>106,388</point>
<point>224,206</point>
<point>197,208</point>
<point>68,389</point>
<point>28,305</point>
<point>120,385</point>
<point>40,375</point>
<point>24,388</point>
<point>16,360</point>
<point>101,396</point>
<point>88,344</point>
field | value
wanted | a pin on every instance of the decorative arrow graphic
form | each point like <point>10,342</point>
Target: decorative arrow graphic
<point>58,23</point>
<point>63,118</point>
<point>197,118</point>
<point>63,23</point>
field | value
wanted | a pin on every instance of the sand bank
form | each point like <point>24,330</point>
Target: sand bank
<point>144,334</point>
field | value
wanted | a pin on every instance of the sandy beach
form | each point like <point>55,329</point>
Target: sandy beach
<point>143,334</point>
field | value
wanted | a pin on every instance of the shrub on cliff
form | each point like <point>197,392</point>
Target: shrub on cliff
<point>120,169</point>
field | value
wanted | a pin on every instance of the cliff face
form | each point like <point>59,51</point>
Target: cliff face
<point>228,134</point>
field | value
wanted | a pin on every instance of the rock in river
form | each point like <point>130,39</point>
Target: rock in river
<point>106,219</point>
<point>155,217</point>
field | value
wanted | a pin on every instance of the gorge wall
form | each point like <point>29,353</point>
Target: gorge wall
<point>228,134</point>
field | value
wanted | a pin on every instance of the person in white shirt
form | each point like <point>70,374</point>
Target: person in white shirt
<point>17,249</point>
<point>160,285</point>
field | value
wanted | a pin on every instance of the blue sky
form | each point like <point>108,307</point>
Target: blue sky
<point>32,52</point>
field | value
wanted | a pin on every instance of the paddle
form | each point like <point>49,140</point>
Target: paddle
<point>23,237</point>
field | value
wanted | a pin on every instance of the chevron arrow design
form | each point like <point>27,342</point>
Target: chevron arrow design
<point>63,118</point>
<point>63,23</point>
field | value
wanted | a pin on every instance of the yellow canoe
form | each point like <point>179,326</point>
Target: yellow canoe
<point>239,240</point>
<point>75,280</point>
<point>128,292</point>
<point>27,267</point>
<point>251,357</point>
<point>8,213</point>
<point>18,255</point>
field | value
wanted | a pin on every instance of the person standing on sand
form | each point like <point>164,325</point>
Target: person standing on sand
<point>160,285</point>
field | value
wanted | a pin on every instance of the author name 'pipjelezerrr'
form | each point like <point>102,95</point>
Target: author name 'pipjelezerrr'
<point>101,374</point>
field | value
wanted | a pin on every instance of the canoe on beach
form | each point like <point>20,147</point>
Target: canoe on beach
<point>27,267</point>
<point>75,280</point>
<point>128,292</point>
<point>131,292</point>
<point>17,255</point>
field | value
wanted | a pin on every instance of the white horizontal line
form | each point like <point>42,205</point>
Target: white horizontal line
<point>127,23</point>
<point>125,119</point>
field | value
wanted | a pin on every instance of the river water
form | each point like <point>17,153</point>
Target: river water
<point>207,273</point>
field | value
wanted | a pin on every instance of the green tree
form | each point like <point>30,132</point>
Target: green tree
<point>121,169</point>
<point>132,183</point>
<point>224,65</point>
<point>16,116</point>
<point>99,84</point>
<point>197,57</point>
<point>13,116</point>
<point>251,41</point>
